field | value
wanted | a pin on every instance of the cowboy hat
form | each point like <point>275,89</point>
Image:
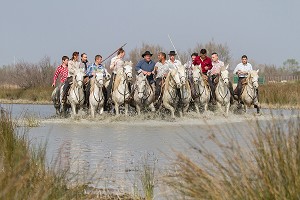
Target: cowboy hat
<point>146,53</point>
<point>172,53</point>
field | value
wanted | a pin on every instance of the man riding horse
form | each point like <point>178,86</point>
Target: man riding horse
<point>242,70</point>
<point>146,66</point>
<point>91,72</point>
<point>161,70</point>
<point>61,70</point>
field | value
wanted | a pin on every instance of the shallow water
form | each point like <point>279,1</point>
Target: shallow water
<point>113,148</point>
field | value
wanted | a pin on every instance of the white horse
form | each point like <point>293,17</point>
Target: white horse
<point>185,91</point>
<point>249,94</point>
<point>143,94</point>
<point>121,92</point>
<point>55,100</point>
<point>170,96</point>
<point>202,95</point>
<point>96,97</point>
<point>222,90</point>
<point>76,95</point>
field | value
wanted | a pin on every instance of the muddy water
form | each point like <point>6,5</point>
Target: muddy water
<point>114,148</point>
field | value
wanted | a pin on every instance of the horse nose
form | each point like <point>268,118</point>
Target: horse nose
<point>178,85</point>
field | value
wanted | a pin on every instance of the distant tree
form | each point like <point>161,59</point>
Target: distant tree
<point>135,55</point>
<point>222,50</point>
<point>291,65</point>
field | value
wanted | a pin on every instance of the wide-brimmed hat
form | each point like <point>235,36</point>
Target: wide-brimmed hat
<point>147,53</point>
<point>172,53</point>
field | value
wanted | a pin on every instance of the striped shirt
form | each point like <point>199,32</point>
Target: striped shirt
<point>216,67</point>
<point>63,72</point>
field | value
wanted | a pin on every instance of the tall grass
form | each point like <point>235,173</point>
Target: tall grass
<point>281,94</point>
<point>36,94</point>
<point>23,173</point>
<point>266,166</point>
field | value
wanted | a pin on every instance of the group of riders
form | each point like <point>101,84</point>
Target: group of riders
<point>155,72</point>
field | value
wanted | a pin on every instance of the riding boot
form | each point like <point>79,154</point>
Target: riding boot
<point>87,96</point>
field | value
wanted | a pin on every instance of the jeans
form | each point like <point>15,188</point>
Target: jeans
<point>66,87</point>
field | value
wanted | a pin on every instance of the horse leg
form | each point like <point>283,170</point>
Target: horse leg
<point>92,107</point>
<point>138,109</point>
<point>172,110</point>
<point>117,108</point>
<point>126,109</point>
<point>219,106</point>
<point>185,108</point>
<point>151,106</point>
<point>197,107</point>
<point>101,109</point>
<point>227,108</point>
<point>73,108</point>
<point>245,107</point>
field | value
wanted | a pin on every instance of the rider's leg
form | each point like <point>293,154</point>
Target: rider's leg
<point>58,93</point>
<point>66,88</point>
<point>109,87</point>
<point>230,87</point>
<point>239,89</point>
<point>157,87</point>
<point>212,89</point>
<point>88,91</point>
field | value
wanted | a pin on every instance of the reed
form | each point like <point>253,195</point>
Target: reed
<point>280,94</point>
<point>265,165</point>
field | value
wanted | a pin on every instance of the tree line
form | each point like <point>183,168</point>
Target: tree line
<point>27,75</point>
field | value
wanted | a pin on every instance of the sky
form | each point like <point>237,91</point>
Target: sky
<point>268,31</point>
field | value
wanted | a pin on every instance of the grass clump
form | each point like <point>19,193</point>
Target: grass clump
<point>281,94</point>
<point>264,165</point>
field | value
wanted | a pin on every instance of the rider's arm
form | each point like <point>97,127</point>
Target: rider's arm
<point>57,72</point>
<point>138,67</point>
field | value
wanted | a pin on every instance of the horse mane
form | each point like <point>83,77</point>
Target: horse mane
<point>168,78</point>
<point>92,83</point>
<point>118,79</point>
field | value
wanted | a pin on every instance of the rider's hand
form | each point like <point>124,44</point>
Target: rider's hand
<point>206,68</point>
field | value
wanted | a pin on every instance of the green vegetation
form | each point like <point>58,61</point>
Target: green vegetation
<point>280,94</point>
<point>38,94</point>
<point>265,164</point>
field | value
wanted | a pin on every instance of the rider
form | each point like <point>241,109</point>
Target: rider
<point>161,70</point>
<point>172,61</point>
<point>189,69</point>
<point>242,70</point>
<point>84,63</point>
<point>73,64</point>
<point>116,64</point>
<point>214,73</point>
<point>90,72</point>
<point>204,61</point>
<point>146,66</point>
<point>61,70</point>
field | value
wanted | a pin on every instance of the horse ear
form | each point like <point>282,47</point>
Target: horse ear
<point>227,66</point>
<point>257,70</point>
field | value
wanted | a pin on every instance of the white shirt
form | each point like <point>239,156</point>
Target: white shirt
<point>72,66</point>
<point>216,67</point>
<point>116,64</point>
<point>175,64</point>
<point>162,69</point>
<point>244,68</point>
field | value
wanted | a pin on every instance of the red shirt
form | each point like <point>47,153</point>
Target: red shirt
<point>204,63</point>
<point>63,72</point>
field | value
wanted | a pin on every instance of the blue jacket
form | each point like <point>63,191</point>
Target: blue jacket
<point>146,66</point>
<point>92,68</point>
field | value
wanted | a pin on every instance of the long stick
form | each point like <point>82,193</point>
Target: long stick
<point>174,47</point>
<point>113,53</point>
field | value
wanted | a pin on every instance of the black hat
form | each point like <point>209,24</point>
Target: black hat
<point>172,53</point>
<point>146,53</point>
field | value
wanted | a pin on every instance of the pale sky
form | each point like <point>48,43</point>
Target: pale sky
<point>267,31</point>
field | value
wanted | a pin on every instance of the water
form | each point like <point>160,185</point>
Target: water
<point>114,148</point>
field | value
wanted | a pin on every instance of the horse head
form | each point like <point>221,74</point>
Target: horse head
<point>224,75</point>
<point>182,74</point>
<point>175,76</point>
<point>127,69</point>
<point>79,74</point>
<point>196,74</point>
<point>141,84</point>
<point>253,78</point>
<point>99,78</point>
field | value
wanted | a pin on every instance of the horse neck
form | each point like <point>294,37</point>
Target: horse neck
<point>123,82</point>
